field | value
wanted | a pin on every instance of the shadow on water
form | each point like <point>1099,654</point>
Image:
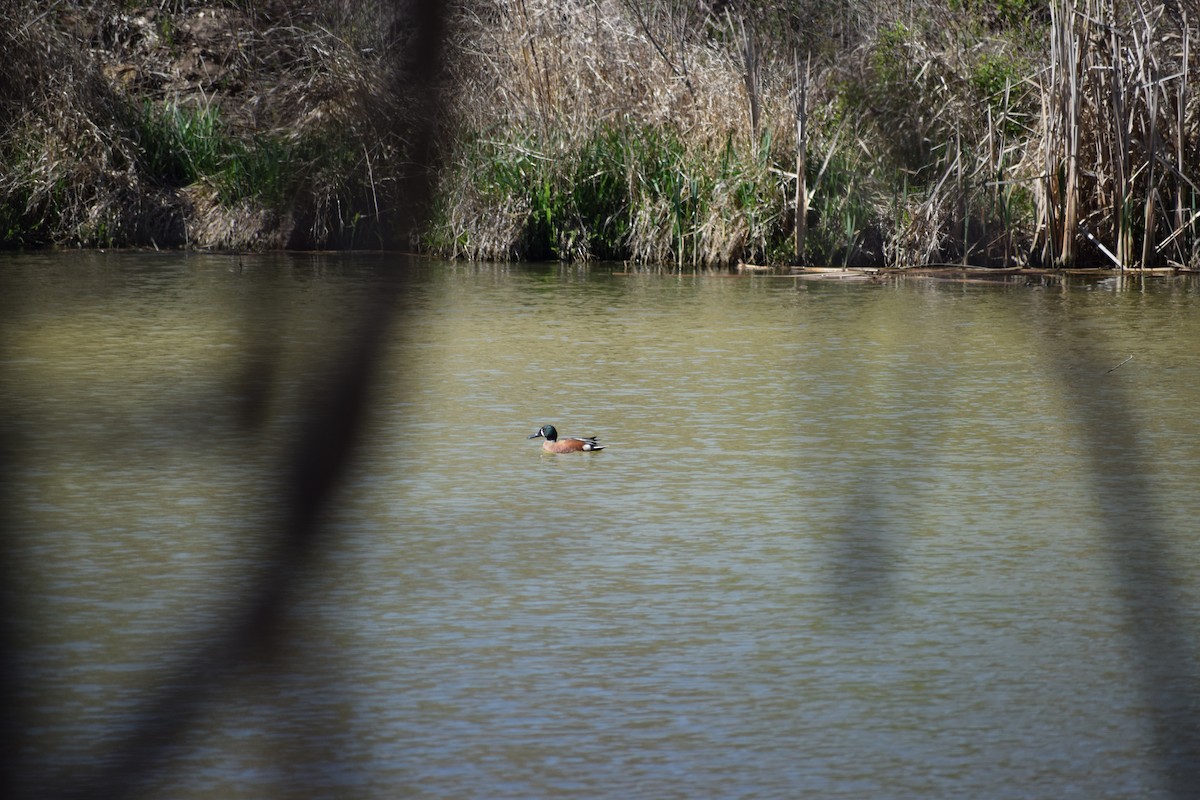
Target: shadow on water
<point>872,533</point>
<point>1137,543</point>
<point>251,638</point>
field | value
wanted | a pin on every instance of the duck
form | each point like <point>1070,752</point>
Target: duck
<point>567,444</point>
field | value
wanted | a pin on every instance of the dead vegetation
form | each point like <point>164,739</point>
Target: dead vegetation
<point>656,131</point>
<point>897,134</point>
<point>932,133</point>
<point>1119,134</point>
<point>198,124</point>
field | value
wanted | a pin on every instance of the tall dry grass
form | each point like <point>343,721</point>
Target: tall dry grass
<point>564,89</point>
<point>64,165</point>
<point>904,153</point>
<point>929,132</point>
<point>1119,134</point>
<point>695,134</point>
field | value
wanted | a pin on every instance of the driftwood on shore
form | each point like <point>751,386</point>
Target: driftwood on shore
<point>942,272</point>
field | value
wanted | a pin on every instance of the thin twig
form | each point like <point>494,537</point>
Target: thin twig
<point>1123,363</point>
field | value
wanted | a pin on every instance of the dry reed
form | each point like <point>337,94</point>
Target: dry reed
<point>1118,121</point>
<point>550,78</point>
<point>657,131</point>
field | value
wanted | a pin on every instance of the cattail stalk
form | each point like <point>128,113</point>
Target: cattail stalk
<point>802,157</point>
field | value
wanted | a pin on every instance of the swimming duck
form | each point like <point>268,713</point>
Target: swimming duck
<point>567,444</point>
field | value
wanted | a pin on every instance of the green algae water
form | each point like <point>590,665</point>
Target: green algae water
<point>910,539</point>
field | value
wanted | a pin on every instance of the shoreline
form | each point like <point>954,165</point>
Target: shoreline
<point>690,135</point>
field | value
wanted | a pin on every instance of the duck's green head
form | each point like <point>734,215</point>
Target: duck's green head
<point>546,430</point>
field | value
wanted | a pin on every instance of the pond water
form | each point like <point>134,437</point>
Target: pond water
<point>905,539</point>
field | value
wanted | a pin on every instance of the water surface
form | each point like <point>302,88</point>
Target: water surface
<point>907,539</point>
